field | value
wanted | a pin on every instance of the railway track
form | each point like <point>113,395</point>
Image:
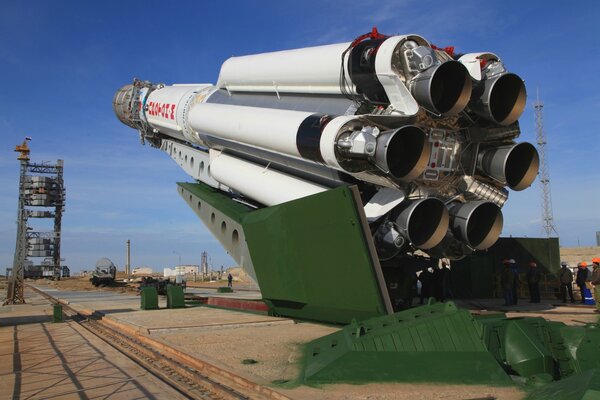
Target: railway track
<point>172,370</point>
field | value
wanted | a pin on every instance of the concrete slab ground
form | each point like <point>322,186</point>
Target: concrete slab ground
<point>568,313</point>
<point>42,360</point>
<point>108,302</point>
<point>268,350</point>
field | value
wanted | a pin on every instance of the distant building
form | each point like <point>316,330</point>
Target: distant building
<point>181,269</point>
<point>142,271</point>
<point>597,238</point>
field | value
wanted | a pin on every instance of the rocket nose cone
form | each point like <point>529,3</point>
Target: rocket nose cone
<point>122,104</point>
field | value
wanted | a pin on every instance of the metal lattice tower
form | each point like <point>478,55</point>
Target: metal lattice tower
<point>43,190</point>
<point>547,215</point>
<point>204,262</point>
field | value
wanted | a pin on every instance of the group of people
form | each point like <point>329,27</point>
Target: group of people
<point>510,281</point>
<point>583,279</point>
<point>436,282</point>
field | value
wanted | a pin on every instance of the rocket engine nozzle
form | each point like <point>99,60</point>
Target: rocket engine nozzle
<point>403,153</point>
<point>122,105</point>
<point>515,165</point>
<point>424,222</point>
<point>478,223</point>
<point>443,89</point>
<point>500,99</point>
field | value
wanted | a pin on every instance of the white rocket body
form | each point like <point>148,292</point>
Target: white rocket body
<point>431,140</point>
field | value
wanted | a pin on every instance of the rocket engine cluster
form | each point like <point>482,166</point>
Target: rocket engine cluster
<point>427,135</point>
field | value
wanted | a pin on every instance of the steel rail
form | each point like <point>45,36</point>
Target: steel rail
<point>180,373</point>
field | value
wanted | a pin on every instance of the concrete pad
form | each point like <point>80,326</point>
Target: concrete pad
<point>45,360</point>
<point>201,318</point>
<point>276,349</point>
<point>568,313</point>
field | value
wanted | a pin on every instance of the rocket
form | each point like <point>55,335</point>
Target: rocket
<point>426,134</point>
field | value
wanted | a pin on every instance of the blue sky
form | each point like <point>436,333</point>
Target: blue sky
<point>62,61</point>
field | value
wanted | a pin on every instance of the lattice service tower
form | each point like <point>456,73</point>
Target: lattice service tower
<point>41,195</point>
<point>547,215</point>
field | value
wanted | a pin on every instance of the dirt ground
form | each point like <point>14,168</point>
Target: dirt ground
<point>84,284</point>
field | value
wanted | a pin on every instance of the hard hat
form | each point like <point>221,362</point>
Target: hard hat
<point>563,263</point>
<point>532,264</point>
<point>582,264</point>
<point>512,261</point>
<point>596,260</point>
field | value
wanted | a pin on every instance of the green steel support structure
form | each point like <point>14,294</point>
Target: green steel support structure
<point>314,259</point>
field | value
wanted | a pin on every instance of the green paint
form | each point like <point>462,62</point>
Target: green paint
<point>311,256</point>
<point>583,386</point>
<point>218,200</point>
<point>404,347</point>
<point>57,313</point>
<point>491,349</point>
<point>149,298</point>
<point>175,297</point>
<point>311,259</point>
<point>224,289</point>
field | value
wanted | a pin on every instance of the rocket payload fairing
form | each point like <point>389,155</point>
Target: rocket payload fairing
<point>426,134</point>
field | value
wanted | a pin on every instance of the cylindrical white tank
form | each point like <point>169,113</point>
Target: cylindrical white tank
<point>271,129</point>
<point>257,181</point>
<point>165,109</point>
<point>307,70</point>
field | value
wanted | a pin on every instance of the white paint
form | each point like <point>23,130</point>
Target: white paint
<point>306,70</point>
<point>193,161</point>
<point>329,138</point>
<point>258,182</point>
<point>398,94</point>
<point>382,202</point>
<point>173,103</point>
<point>472,62</point>
<point>266,128</point>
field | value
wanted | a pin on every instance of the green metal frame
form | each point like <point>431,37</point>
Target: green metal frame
<point>313,258</point>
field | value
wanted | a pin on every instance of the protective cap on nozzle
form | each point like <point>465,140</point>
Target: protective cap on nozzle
<point>423,222</point>
<point>122,105</point>
<point>477,223</point>
<point>515,166</point>
<point>403,153</point>
<point>500,99</point>
<point>443,89</point>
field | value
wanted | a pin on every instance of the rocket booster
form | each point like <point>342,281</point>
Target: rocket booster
<point>427,135</point>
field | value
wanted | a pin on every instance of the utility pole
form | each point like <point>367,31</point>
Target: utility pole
<point>547,214</point>
<point>128,258</point>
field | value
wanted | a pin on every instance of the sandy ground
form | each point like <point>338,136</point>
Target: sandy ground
<point>83,283</point>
